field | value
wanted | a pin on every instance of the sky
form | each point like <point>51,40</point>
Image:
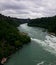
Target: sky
<point>28,8</point>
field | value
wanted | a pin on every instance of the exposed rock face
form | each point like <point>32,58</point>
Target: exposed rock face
<point>3,60</point>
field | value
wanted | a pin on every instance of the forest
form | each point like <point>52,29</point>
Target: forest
<point>11,39</point>
<point>48,23</point>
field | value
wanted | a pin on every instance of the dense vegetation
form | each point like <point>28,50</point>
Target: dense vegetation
<point>48,23</point>
<point>11,38</point>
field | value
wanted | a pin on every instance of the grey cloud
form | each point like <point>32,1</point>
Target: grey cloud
<point>12,6</point>
<point>28,8</point>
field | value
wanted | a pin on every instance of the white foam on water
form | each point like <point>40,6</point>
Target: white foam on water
<point>48,44</point>
<point>41,63</point>
<point>42,43</point>
<point>51,41</point>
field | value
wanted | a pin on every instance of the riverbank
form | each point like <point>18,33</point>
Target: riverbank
<point>48,23</point>
<point>44,29</point>
<point>11,39</point>
<point>39,50</point>
<point>4,59</point>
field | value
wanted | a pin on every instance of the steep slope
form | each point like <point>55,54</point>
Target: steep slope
<point>11,38</point>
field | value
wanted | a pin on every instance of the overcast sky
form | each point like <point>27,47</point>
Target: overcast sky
<point>28,8</point>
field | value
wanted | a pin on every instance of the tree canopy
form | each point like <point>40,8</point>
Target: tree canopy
<point>46,22</point>
<point>10,37</point>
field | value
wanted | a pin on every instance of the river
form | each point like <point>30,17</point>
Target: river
<point>41,50</point>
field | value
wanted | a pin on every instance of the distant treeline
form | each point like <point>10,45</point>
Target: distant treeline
<point>11,38</point>
<point>13,21</point>
<point>10,20</point>
<point>48,23</point>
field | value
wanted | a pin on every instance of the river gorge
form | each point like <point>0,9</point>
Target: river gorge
<point>41,50</point>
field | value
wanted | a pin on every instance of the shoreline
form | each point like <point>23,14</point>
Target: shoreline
<point>4,59</point>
